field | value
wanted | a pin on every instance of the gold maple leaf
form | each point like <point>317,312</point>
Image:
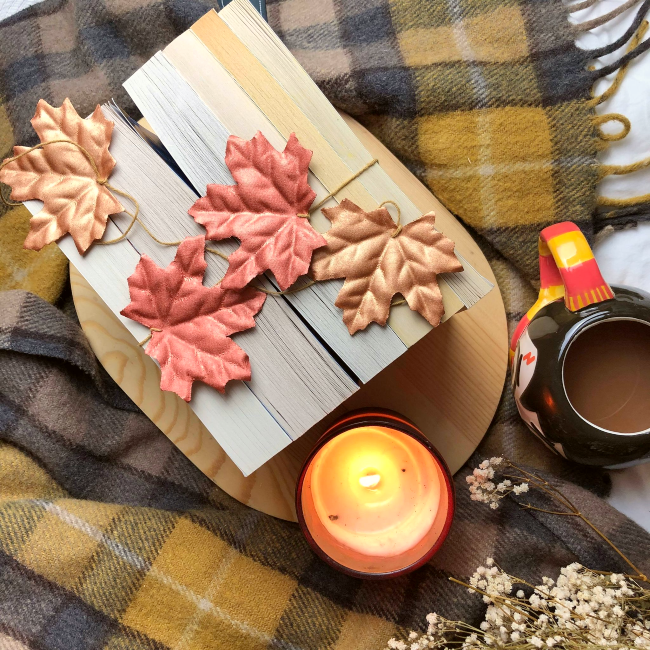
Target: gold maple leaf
<point>63,178</point>
<point>378,260</point>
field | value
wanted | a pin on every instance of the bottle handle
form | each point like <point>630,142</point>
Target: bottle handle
<point>567,269</point>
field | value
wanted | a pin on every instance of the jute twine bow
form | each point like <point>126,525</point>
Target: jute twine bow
<point>100,181</point>
<point>322,202</point>
<point>399,227</point>
<point>334,192</point>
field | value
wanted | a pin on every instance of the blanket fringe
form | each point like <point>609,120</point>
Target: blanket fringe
<point>579,6</point>
<point>620,170</point>
<point>636,46</point>
<point>605,18</point>
<point>612,117</point>
<point>622,71</point>
<point>622,40</point>
<point>605,201</point>
<point>629,56</point>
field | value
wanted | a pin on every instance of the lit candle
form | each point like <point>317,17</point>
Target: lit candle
<point>374,498</point>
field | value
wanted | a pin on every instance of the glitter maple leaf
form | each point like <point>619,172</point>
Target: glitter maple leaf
<point>362,248</point>
<point>63,178</point>
<point>191,324</point>
<point>262,210</point>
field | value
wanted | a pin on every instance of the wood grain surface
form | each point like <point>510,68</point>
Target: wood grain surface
<point>449,383</point>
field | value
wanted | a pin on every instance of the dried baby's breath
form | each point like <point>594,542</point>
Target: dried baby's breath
<point>582,609</point>
<point>483,488</point>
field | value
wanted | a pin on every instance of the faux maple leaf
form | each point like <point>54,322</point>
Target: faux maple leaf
<point>362,248</point>
<point>195,322</point>
<point>63,178</point>
<point>261,211</point>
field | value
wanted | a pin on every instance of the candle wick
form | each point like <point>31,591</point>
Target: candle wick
<point>370,481</point>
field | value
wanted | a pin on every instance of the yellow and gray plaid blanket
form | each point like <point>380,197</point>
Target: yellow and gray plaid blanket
<point>109,537</point>
<point>488,102</point>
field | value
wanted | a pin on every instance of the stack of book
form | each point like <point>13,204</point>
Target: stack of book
<point>231,75</point>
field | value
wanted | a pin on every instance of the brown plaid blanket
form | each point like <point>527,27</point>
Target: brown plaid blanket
<point>109,538</point>
<point>488,102</point>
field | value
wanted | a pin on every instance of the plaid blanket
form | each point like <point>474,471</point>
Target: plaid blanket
<point>487,101</point>
<point>109,537</point>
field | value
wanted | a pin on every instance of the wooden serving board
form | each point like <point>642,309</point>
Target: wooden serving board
<point>448,384</point>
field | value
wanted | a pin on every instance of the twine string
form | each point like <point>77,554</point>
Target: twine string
<point>316,207</point>
<point>288,291</point>
<point>148,338</point>
<point>133,215</point>
<point>40,145</point>
<point>396,232</point>
<point>111,188</point>
<point>343,185</point>
<point>398,228</point>
<point>136,218</point>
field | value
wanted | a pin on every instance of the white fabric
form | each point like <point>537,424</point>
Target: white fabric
<point>624,257</point>
<point>632,100</point>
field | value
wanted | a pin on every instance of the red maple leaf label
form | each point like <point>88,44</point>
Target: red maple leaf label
<point>262,210</point>
<point>191,324</point>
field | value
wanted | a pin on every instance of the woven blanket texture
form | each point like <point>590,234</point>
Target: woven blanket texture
<point>109,537</point>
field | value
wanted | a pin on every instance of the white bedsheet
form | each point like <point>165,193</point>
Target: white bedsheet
<point>624,257</point>
<point>10,7</point>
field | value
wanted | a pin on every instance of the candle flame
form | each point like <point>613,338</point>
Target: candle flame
<point>370,481</point>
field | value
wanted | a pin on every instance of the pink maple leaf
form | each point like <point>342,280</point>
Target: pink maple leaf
<point>262,210</point>
<point>190,323</point>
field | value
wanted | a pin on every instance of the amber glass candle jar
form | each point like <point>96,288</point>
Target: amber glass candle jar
<point>374,498</point>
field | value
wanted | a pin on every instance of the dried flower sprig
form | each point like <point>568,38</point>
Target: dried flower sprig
<point>583,609</point>
<point>485,486</point>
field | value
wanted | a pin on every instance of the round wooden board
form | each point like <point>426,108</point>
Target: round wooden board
<point>449,383</point>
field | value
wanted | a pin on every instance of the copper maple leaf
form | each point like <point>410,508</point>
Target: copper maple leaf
<point>362,248</point>
<point>191,324</point>
<point>262,210</point>
<point>63,178</point>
